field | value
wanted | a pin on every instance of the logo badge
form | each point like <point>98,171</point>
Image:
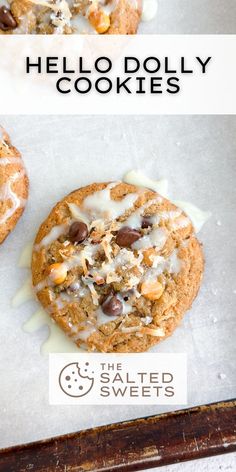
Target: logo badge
<point>76,379</point>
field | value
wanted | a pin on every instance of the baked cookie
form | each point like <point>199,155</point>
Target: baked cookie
<point>13,185</point>
<point>116,266</point>
<point>70,16</point>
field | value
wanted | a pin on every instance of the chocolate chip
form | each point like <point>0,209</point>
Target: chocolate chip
<point>112,306</point>
<point>127,236</point>
<point>7,21</point>
<point>146,222</point>
<point>78,232</point>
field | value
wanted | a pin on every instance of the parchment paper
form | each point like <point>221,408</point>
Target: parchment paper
<point>197,155</point>
<point>192,17</point>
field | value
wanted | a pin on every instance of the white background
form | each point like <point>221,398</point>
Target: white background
<point>211,93</point>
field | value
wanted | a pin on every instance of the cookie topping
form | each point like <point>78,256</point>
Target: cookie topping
<point>146,222</point>
<point>7,21</point>
<point>152,290</point>
<point>99,20</point>
<point>157,238</point>
<point>127,236</point>
<point>13,185</point>
<point>73,16</point>
<point>101,205</point>
<point>57,273</point>
<point>8,194</point>
<point>78,232</point>
<point>55,233</point>
<point>112,306</point>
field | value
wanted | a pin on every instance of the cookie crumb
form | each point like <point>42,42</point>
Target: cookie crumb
<point>221,376</point>
<point>214,291</point>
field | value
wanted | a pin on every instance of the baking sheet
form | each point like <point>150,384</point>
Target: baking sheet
<point>197,155</point>
<point>192,17</point>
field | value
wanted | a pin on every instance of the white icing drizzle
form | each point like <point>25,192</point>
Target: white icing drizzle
<point>24,294</point>
<point>172,265</point>
<point>135,177</point>
<point>180,223</point>
<point>84,334</point>
<point>169,215</point>
<point>82,25</point>
<point>36,321</point>
<point>76,260</point>
<point>135,219</point>
<point>197,216</point>
<point>26,256</point>
<point>157,238</point>
<point>109,7</point>
<point>52,236</point>
<point>61,16</point>
<point>42,284</point>
<point>100,204</point>
<point>4,161</point>
<point>149,10</point>
<point>57,341</point>
<point>127,308</point>
<point>78,214</point>
<point>61,12</point>
<point>124,258</point>
<point>6,193</point>
<point>63,298</point>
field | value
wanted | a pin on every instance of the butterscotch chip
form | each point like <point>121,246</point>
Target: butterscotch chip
<point>152,290</point>
<point>109,298</point>
<point>13,185</point>
<point>73,17</point>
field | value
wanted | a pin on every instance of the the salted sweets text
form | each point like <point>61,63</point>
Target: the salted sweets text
<point>127,75</point>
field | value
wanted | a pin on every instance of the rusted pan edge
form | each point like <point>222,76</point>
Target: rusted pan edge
<point>132,445</point>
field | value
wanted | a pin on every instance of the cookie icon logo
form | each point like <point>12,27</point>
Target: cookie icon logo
<point>76,379</point>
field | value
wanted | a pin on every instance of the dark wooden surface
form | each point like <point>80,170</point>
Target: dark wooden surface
<point>132,445</point>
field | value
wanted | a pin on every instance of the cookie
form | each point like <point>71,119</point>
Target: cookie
<point>116,267</point>
<point>13,185</point>
<point>70,16</point>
